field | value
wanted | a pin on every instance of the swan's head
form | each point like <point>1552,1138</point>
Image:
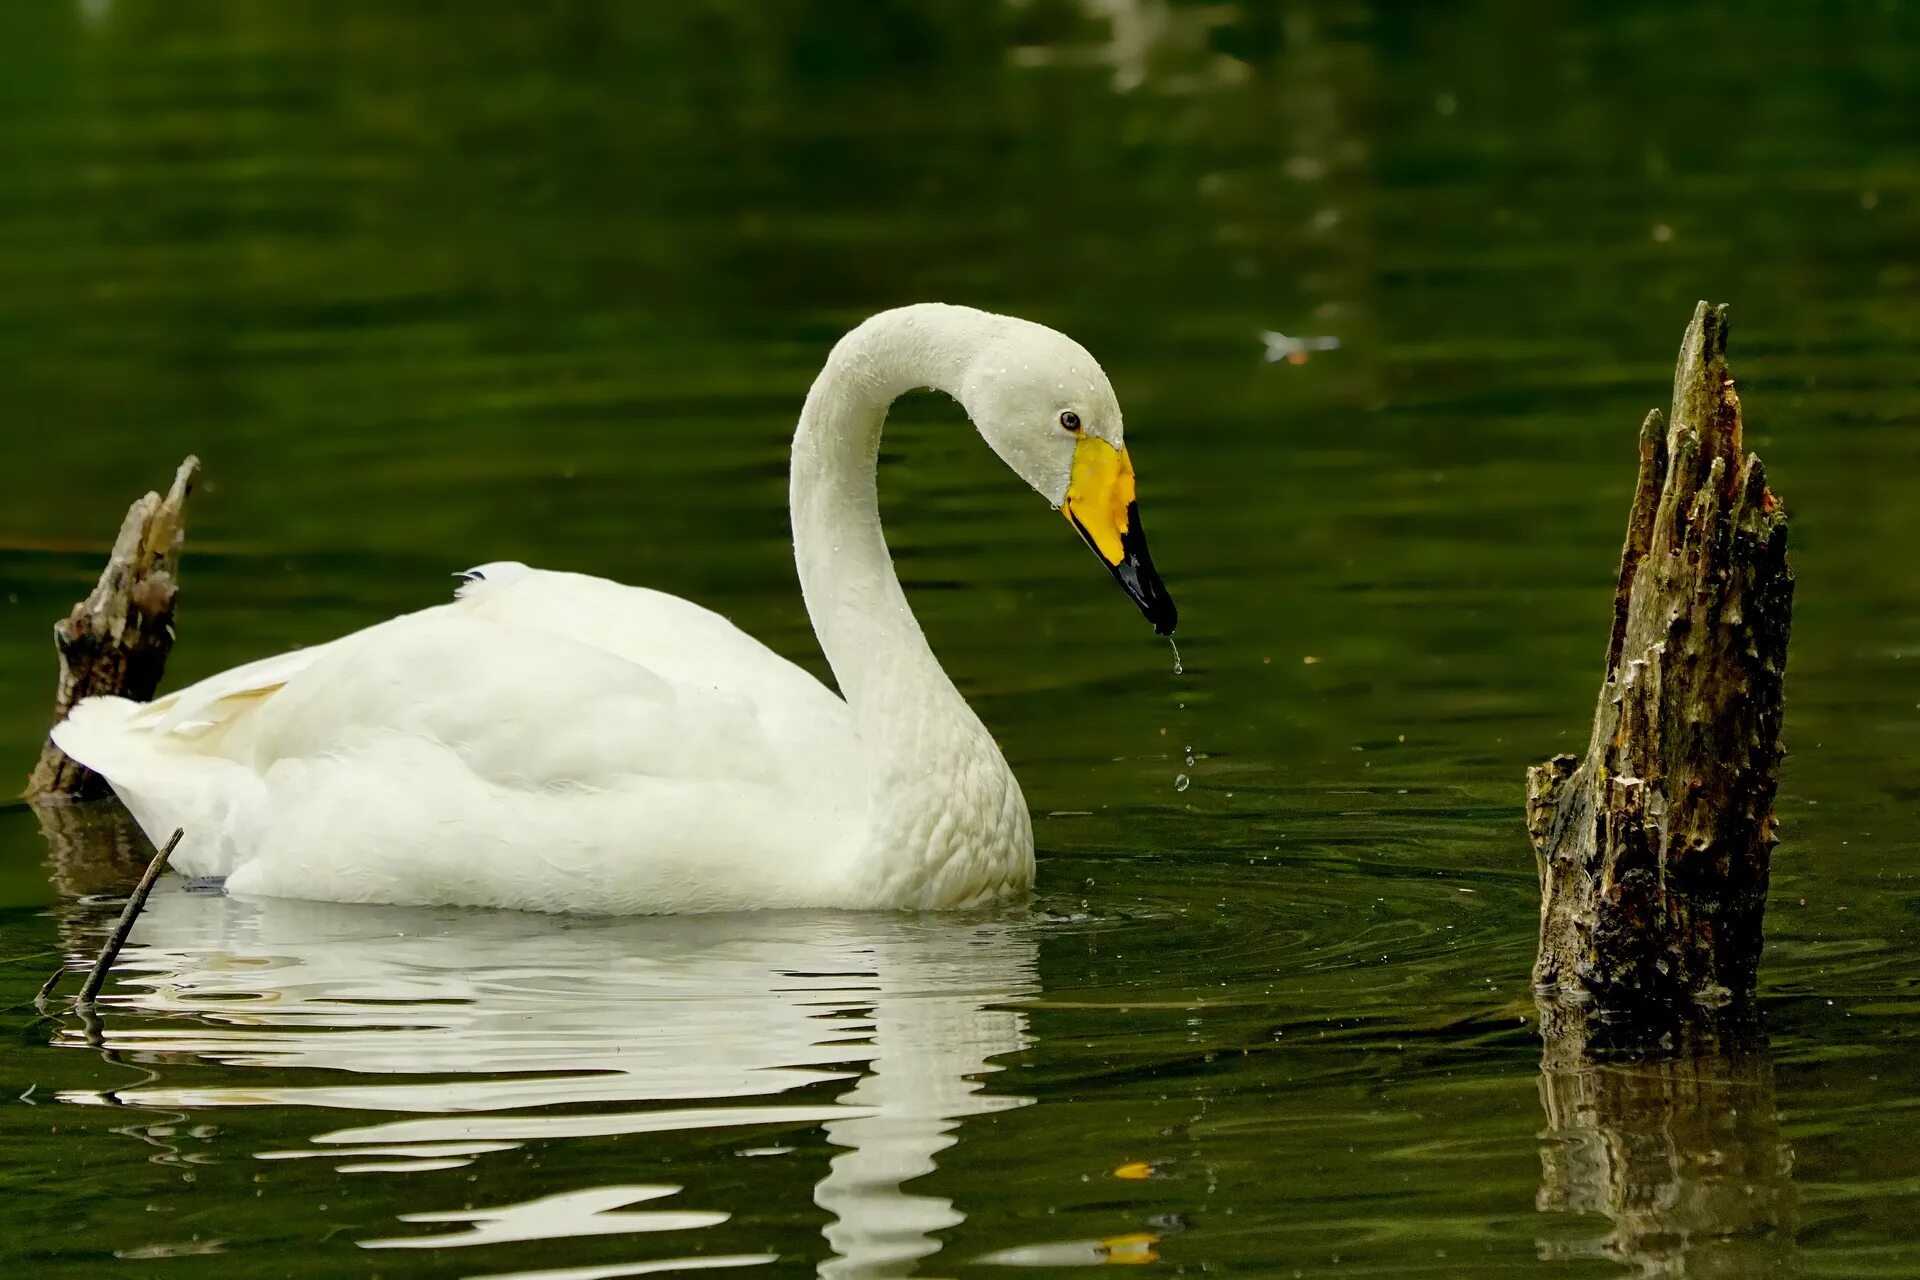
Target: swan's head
<point>1047,409</point>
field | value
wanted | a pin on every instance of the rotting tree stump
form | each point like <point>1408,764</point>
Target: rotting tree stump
<point>116,641</point>
<point>1653,849</point>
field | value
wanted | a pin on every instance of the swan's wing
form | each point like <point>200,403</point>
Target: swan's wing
<point>681,642</point>
<point>217,698</point>
<point>544,716</point>
<point>517,705</point>
<point>528,656</point>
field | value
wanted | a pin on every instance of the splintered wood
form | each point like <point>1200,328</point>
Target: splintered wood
<point>1653,849</point>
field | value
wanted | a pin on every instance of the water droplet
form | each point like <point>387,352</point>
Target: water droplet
<point>1177,668</point>
<point>1182,782</point>
<point>1189,751</point>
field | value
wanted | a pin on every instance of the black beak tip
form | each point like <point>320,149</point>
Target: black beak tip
<point>1149,594</point>
<point>1136,575</point>
<point>1162,614</point>
<point>1141,580</point>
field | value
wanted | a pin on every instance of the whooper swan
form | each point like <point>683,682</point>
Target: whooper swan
<point>555,742</point>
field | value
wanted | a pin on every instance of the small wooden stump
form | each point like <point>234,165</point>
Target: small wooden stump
<point>116,641</point>
<point>1653,848</point>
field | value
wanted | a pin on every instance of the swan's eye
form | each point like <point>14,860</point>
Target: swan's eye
<point>1070,421</point>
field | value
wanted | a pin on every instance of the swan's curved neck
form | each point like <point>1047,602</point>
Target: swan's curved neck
<point>853,595</point>
<point>913,723</point>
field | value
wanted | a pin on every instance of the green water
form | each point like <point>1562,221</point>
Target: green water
<point>427,287</point>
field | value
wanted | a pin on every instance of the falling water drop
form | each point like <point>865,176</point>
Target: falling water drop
<point>1177,668</point>
<point>1181,782</point>
<point>1189,752</point>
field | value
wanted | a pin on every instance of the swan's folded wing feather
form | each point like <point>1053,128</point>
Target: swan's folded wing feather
<point>684,643</point>
<point>530,674</point>
<point>518,706</point>
<point>206,704</point>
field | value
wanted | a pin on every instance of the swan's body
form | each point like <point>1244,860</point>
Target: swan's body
<point>556,742</point>
<point>547,741</point>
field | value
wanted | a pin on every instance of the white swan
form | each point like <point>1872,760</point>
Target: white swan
<point>555,742</point>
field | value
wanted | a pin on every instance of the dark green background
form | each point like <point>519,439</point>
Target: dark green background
<point>428,285</point>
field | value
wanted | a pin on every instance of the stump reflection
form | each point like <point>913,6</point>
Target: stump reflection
<point>1674,1137</point>
<point>93,849</point>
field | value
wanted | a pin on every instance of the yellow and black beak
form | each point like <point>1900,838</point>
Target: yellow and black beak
<point>1100,504</point>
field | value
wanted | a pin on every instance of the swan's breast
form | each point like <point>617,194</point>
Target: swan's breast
<point>957,836</point>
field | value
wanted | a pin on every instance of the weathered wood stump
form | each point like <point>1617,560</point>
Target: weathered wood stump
<point>1653,848</point>
<point>116,641</point>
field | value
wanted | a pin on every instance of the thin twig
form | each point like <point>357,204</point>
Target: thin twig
<point>45,993</point>
<point>118,938</point>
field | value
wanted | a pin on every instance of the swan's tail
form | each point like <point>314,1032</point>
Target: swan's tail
<point>164,783</point>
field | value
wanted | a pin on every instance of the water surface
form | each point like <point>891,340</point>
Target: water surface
<point>426,291</point>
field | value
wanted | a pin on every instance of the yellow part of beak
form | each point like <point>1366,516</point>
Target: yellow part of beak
<point>1099,495</point>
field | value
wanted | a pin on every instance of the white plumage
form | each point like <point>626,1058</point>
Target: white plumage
<point>556,742</point>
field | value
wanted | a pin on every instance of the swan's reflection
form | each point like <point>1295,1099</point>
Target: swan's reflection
<point>483,1032</point>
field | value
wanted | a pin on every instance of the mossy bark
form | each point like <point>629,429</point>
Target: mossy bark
<point>1653,849</point>
<point>116,641</point>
